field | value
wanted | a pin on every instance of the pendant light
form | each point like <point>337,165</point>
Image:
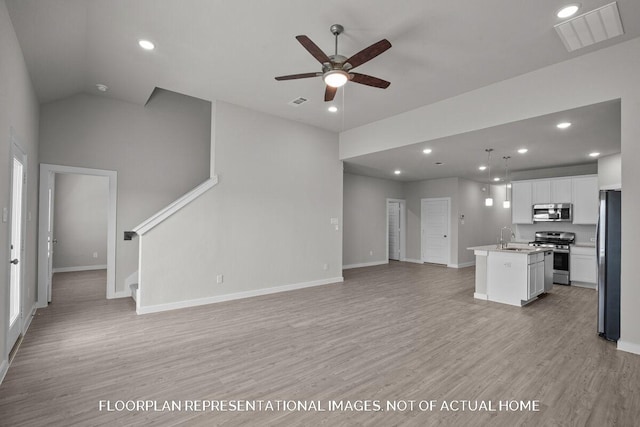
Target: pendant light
<point>489,200</point>
<point>507,203</point>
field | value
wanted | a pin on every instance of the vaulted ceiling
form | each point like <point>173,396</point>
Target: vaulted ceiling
<point>232,50</point>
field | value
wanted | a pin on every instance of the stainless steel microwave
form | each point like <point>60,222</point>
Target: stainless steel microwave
<point>552,212</point>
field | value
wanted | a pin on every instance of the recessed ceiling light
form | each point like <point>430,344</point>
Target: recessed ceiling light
<point>594,154</point>
<point>397,172</point>
<point>523,150</point>
<point>563,125</point>
<point>427,151</point>
<point>496,179</point>
<point>568,10</point>
<point>101,87</point>
<point>483,167</point>
<point>146,44</point>
<point>333,109</point>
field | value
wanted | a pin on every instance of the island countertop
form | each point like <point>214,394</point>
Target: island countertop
<point>516,248</point>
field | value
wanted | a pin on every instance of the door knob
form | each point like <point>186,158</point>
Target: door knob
<point>445,235</point>
<point>55,241</point>
<point>14,261</point>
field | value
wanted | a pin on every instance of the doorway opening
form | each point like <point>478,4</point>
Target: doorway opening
<point>436,230</point>
<point>396,229</point>
<point>80,251</point>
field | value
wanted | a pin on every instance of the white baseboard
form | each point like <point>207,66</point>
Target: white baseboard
<point>480,296</point>
<point>122,294</point>
<point>4,367</point>
<point>583,285</point>
<point>364,264</point>
<point>81,268</point>
<point>32,313</point>
<point>462,265</point>
<point>235,296</point>
<point>415,261</point>
<point>629,347</point>
<point>134,291</point>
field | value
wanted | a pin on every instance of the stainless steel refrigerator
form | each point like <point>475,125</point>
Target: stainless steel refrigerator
<point>608,247</point>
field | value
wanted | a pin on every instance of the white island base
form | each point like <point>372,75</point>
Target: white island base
<point>515,275</point>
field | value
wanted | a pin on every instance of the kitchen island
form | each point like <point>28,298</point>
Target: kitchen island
<point>514,275</point>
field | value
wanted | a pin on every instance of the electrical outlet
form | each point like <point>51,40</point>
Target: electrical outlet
<point>593,239</point>
<point>95,254</point>
<point>219,278</point>
<point>370,253</point>
<point>325,267</point>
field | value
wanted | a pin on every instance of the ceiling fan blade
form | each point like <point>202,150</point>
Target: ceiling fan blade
<point>364,79</point>
<point>298,76</point>
<point>313,49</point>
<point>330,93</point>
<point>368,53</point>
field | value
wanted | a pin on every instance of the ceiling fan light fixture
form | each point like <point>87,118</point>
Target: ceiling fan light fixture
<point>335,78</point>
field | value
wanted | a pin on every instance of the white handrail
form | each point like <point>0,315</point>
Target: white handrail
<point>174,207</point>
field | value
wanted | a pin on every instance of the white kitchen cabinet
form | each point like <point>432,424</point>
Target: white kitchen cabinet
<point>583,265</point>
<point>521,211</point>
<point>561,190</point>
<point>514,276</point>
<point>541,191</point>
<point>535,270</point>
<point>585,200</point>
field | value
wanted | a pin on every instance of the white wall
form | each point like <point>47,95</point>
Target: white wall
<point>482,223</point>
<point>599,76</point>
<point>610,172</point>
<point>80,221</point>
<point>160,152</point>
<point>365,218</point>
<point>266,224</point>
<point>18,111</point>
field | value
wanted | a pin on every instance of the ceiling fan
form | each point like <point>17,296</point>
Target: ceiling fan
<point>336,69</point>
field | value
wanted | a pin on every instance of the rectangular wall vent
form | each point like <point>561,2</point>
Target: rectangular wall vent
<point>592,27</point>
<point>298,101</point>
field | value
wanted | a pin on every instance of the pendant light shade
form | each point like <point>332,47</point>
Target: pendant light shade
<point>489,200</point>
<point>507,203</point>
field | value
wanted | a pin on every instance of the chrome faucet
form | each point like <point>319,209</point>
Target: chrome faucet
<point>504,243</point>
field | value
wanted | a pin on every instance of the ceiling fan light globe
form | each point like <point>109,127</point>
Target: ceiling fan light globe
<point>336,78</point>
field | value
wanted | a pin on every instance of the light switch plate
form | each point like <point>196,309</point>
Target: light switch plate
<point>5,214</point>
<point>334,221</point>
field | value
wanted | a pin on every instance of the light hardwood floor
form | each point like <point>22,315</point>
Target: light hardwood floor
<point>391,332</point>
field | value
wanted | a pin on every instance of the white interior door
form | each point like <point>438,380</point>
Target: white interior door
<point>16,241</point>
<point>393,210</point>
<point>435,230</point>
<point>51,242</point>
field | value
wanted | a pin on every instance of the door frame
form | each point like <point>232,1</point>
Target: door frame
<point>46,171</point>
<point>422,237</point>
<point>16,148</point>
<point>403,228</point>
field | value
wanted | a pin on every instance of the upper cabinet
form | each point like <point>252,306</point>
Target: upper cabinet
<point>521,202</point>
<point>585,200</point>
<point>582,191</point>
<point>541,191</point>
<point>561,190</point>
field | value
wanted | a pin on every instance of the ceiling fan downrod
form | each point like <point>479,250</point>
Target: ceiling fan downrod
<point>336,30</point>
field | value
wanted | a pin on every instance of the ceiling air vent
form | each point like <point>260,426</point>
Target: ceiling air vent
<point>298,102</point>
<point>592,27</point>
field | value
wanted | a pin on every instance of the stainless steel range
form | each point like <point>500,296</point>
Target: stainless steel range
<point>560,242</point>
